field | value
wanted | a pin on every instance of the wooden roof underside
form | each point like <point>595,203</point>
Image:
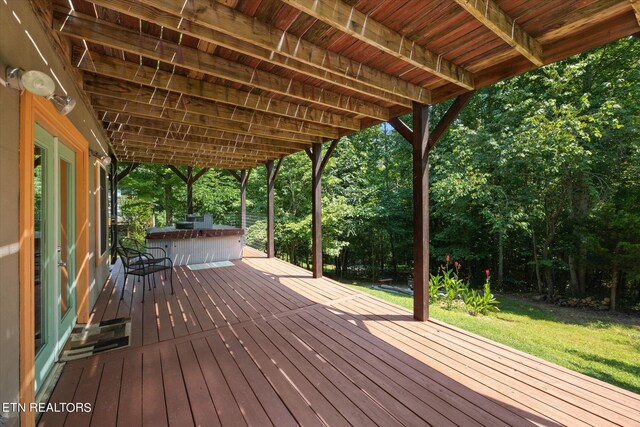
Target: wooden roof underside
<point>234,83</point>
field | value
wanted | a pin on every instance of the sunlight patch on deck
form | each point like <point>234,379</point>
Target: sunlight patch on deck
<point>208,265</point>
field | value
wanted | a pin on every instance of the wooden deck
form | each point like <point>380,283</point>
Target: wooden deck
<point>262,343</point>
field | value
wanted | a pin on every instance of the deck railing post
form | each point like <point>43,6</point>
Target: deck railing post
<point>420,211</point>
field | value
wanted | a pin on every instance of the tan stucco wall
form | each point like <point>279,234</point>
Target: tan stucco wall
<point>17,50</point>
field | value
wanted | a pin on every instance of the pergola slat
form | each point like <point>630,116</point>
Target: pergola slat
<point>110,35</point>
<point>350,20</point>
<point>494,18</point>
<point>160,98</point>
<point>224,26</point>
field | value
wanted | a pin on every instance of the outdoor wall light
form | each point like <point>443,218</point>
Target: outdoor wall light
<point>36,82</point>
<point>39,83</point>
<point>64,104</point>
<point>102,158</point>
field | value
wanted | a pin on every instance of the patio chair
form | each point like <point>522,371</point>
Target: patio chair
<point>143,264</point>
<point>130,243</point>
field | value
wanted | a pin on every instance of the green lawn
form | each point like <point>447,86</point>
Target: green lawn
<point>603,349</point>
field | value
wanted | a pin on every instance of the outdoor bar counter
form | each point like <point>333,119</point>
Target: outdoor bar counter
<point>197,246</point>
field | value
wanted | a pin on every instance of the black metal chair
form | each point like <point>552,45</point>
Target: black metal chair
<point>130,243</point>
<point>143,264</point>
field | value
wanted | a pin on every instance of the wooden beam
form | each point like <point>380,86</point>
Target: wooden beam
<point>404,130</point>
<point>495,19</point>
<point>244,181</point>
<point>224,26</point>
<point>178,172</point>
<point>316,210</point>
<point>199,175</point>
<point>635,4</point>
<point>132,92</point>
<point>230,154</point>
<point>113,206</point>
<point>111,35</point>
<point>420,212</point>
<point>271,181</point>
<point>328,154</point>
<point>118,127</point>
<point>115,105</point>
<point>176,160</point>
<point>452,113</point>
<point>126,171</point>
<point>181,130</point>
<point>159,79</point>
<point>195,143</point>
<point>350,20</point>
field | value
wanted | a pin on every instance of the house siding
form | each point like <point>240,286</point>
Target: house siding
<point>16,49</point>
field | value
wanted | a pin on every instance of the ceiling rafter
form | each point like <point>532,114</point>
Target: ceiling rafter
<point>118,130</point>
<point>224,26</point>
<point>156,78</point>
<point>115,105</point>
<point>494,18</point>
<point>111,35</point>
<point>161,98</point>
<point>350,20</point>
<point>168,128</point>
<point>193,152</point>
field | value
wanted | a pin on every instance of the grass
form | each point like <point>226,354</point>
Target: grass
<point>606,350</point>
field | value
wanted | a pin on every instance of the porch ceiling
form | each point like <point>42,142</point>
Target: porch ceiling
<point>234,83</point>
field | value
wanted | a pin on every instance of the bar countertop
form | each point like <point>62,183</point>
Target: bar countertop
<point>158,233</point>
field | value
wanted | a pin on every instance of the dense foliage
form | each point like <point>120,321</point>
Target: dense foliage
<point>538,180</point>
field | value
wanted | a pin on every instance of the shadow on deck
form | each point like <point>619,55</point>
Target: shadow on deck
<point>263,343</point>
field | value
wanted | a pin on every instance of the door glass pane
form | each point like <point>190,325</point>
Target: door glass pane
<point>65,230</point>
<point>39,213</point>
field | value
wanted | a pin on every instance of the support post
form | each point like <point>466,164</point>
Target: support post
<point>272,173</point>
<point>316,210</point>
<point>420,211</point>
<point>189,179</point>
<point>422,143</point>
<point>113,193</point>
<point>243,180</point>
<point>318,163</point>
<point>114,180</point>
<point>189,190</point>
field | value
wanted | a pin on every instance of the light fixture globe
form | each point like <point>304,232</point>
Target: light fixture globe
<point>35,82</point>
<point>64,104</point>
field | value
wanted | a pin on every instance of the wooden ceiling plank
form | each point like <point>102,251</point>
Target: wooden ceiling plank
<point>194,152</point>
<point>155,78</point>
<point>216,23</point>
<point>495,19</point>
<point>106,104</point>
<point>160,98</point>
<point>348,19</point>
<point>123,136</point>
<point>111,35</point>
<point>168,160</point>
<point>119,131</point>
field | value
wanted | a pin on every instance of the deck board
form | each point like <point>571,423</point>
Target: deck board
<point>263,343</point>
